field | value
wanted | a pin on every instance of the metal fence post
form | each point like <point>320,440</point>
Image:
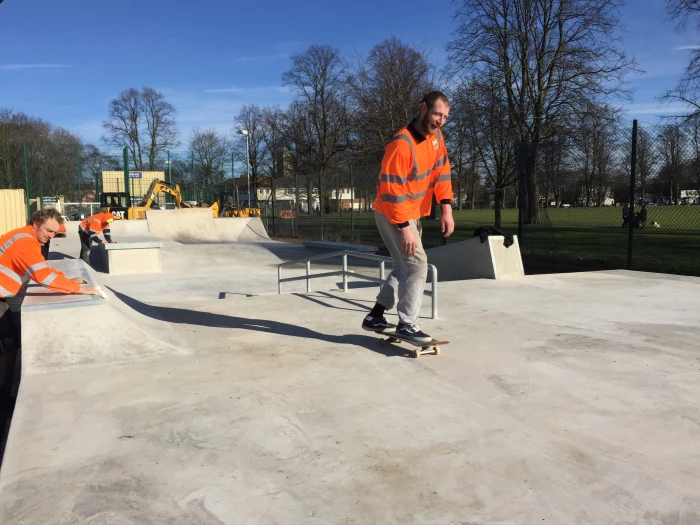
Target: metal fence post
<point>630,216</point>
<point>308,273</point>
<point>352,208</point>
<point>521,189</point>
<point>345,272</point>
<point>434,291</point>
<point>80,191</point>
<point>26,182</point>
<point>125,153</point>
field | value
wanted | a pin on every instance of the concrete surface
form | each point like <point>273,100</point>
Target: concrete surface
<point>336,246</point>
<point>198,226</point>
<point>132,255</point>
<point>565,399</point>
<point>472,259</point>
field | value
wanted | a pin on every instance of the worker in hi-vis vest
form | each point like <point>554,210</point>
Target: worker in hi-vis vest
<point>414,169</point>
<point>21,261</point>
<point>90,228</point>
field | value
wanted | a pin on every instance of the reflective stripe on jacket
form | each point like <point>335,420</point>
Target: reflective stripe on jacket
<point>21,260</point>
<point>414,167</point>
<point>95,224</point>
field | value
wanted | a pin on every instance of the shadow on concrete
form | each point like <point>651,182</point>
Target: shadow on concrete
<point>212,320</point>
<point>58,256</point>
<point>360,307</point>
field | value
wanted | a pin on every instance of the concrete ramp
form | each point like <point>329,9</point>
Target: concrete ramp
<point>68,331</point>
<point>236,229</point>
<point>198,226</point>
<point>472,259</point>
<point>126,228</point>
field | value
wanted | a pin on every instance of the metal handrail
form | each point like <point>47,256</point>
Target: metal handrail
<point>344,272</point>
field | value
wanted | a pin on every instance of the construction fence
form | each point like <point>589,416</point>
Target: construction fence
<point>627,200</point>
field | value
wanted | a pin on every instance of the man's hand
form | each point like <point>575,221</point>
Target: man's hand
<point>103,242</point>
<point>79,280</point>
<point>447,222</point>
<point>88,290</point>
<point>408,241</point>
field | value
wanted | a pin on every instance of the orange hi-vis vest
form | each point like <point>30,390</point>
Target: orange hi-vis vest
<point>95,224</point>
<point>414,167</point>
<point>21,260</point>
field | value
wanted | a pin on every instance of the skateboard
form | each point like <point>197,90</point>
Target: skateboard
<point>431,347</point>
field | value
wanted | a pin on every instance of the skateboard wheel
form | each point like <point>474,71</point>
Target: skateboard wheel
<point>416,353</point>
<point>437,350</point>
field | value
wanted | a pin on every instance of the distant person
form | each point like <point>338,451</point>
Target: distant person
<point>89,230</point>
<point>643,217</point>
<point>21,261</point>
<point>625,215</point>
<point>414,169</point>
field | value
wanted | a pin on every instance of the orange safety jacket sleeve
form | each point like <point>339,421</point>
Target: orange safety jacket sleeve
<point>442,177</point>
<point>396,167</point>
<point>21,260</point>
<point>94,224</point>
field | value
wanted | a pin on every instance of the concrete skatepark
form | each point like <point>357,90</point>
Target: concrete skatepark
<point>200,395</point>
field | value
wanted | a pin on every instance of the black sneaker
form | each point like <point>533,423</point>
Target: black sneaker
<point>412,333</point>
<point>376,324</point>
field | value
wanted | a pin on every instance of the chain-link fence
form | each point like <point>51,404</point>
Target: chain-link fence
<point>594,211</point>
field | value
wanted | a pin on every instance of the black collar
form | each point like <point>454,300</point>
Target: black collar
<point>418,137</point>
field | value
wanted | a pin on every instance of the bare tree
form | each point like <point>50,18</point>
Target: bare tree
<point>486,120</point>
<point>672,143</point>
<point>122,125</point>
<point>161,128</point>
<point>51,155</point>
<point>298,131</point>
<point>550,56</point>
<point>647,158</point>
<point>250,118</point>
<point>318,77</point>
<point>687,90</point>
<point>386,87</point>
<point>142,121</point>
<point>594,140</point>
<point>210,151</point>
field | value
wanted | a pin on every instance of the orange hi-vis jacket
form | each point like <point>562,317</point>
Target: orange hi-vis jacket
<point>414,167</point>
<point>21,260</point>
<point>95,224</point>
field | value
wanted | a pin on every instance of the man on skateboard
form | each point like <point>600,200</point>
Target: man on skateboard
<point>415,167</point>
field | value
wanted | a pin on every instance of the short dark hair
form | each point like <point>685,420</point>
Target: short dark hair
<point>44,215</point>
<point>431,99</point>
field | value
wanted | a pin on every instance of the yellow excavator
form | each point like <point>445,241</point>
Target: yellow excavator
<point>224,207</point>
<point>157,186</point>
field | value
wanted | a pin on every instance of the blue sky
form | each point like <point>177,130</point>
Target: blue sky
<point>64,60</point>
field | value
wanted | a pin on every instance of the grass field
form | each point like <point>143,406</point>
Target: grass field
<point>584,238</point>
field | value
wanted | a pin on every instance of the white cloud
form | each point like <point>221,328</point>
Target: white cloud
<point>656,109</point>
<point>7,67</point>
<point>686,48</point>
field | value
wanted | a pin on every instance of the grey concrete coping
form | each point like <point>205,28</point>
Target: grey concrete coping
<point>134,243</point>
<point>329,245</point>
<point>38,297</point>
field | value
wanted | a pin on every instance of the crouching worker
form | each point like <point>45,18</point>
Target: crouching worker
<point>90,228</point>
<point>20,261</point>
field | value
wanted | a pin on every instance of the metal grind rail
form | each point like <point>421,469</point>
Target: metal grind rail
<point>345,273</point>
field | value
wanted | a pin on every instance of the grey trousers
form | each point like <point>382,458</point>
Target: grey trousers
<point>405,284</point>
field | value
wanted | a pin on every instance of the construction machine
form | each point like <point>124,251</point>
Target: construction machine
<point>227,208</point>
<point>139,211</point>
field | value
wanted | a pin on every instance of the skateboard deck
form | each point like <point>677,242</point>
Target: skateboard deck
<point>431,347</point>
